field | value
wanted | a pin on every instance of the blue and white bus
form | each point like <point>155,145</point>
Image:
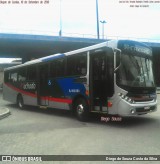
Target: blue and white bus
<point>113,77</point>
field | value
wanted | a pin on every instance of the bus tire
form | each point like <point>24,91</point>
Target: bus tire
<point>82,109</point>
<point>20,102</point>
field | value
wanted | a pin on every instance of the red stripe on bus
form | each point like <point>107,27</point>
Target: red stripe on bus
<point>68,101</point>
<point>21,91</point>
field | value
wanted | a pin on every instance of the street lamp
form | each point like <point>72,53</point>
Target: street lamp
<point>103,22</point>
<point>97,15</point>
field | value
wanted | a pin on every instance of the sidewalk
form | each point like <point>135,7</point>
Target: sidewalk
<point>4,112</point>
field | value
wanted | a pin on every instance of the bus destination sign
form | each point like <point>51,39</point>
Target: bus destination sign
<point>137,49</point>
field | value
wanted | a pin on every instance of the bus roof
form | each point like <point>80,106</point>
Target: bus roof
<point>112,44</point>
<point>56,56</point>
<point>36,61</point>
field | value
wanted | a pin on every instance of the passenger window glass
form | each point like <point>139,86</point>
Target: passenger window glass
<point>7,77</point>
<point>31,73</point>
<point>53,69</point>
<point>60,67</point>
<point>13,76</point>
<point>22,75</point>
<point>77,65</point>
<point>57,68</point>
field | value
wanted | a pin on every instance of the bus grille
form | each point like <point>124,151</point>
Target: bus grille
<point>142,100</point>
<point>145,109</point>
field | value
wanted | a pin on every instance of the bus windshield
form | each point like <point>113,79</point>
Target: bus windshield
<point>135,71</point>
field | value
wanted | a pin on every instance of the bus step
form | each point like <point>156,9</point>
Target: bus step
<point>43,107</point>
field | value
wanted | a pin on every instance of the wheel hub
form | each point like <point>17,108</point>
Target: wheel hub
<point>80,109</point>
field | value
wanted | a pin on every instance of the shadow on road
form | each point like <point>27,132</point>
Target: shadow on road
<point>97,119</point>
<point>55,112</point>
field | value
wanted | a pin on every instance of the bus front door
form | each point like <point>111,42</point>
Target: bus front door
<point>100,88</point>
<point>43,91</point>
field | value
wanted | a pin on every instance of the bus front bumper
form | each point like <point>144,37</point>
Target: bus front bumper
<point>138,108</point>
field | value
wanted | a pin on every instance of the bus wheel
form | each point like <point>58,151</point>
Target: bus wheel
<point>81,109</point>
<point>20,102</point>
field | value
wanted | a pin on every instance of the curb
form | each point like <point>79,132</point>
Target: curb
<point>5,112</point>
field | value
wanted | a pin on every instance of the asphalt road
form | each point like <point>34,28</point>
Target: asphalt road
<point>35,131</point>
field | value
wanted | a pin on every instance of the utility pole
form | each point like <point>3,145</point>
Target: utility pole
<point>97,15</point>
<point>60,20</point>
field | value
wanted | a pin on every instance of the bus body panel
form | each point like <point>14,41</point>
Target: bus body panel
<point>61,91</point>
<point>11,93</point>
<point>28,100</point>
<point>66,90</point>
<point>127,109</point>
<point>123,108</point>
<point>70,88</point>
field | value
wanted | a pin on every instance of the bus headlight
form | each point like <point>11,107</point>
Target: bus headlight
<point>130,100</point>
<point>133,111</point>
<point>126,98</point>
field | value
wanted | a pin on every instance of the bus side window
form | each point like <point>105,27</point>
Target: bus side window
<point>77,65</point>
<point>53,69</point>
<point>31,73</point>
<point>60,67</point>
<point>6,77</point>
<point>57,68</point>
<point>22,75</point>
<point>13,77</point>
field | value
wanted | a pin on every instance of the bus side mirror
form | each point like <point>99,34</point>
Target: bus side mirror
<point>118,59</point>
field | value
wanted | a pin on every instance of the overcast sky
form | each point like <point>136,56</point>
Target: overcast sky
<point>79,17</point>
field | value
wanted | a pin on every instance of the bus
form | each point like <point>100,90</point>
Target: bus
<point>114,77</point>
